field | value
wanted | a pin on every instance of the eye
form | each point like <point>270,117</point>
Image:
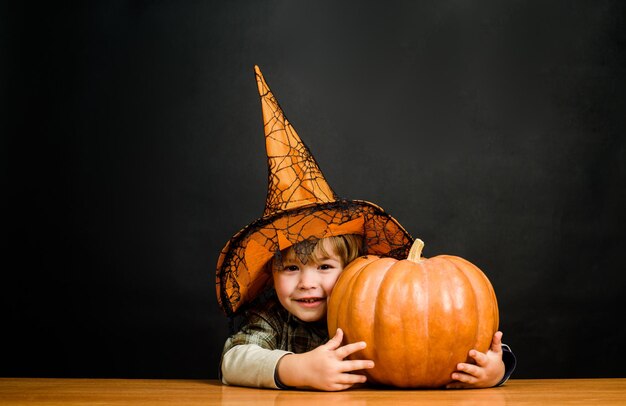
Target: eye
<point>325,267</point>
<point>291,268</point>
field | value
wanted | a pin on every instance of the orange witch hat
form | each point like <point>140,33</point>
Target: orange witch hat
<point>295,179</point>
<point>300,206</point>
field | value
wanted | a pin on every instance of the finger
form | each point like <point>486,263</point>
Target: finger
<point>351,379</point>
<point>337,387</point>
<point>464,378</point>
<point>470,369</point>
<point>335,342</point>
<point>355,365</point>
<point>496,343</point>
<point>346,350</point>
<point>480,357</point>
<point>344,381</point>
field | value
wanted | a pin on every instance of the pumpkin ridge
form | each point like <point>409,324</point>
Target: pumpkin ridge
<point>480,321</point>
<point>445,302</point>
<point>477,280</point>
<point>452,276</point>
<point>449,286</point>
<point>374,268</point>
<point>427,314</point>
<point>410,319</point>
<point>347,290</point>
<point>385,289</point>
<point>489,287</point>
<point>414,321</point>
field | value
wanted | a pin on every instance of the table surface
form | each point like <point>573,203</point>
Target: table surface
<point>49,391</point>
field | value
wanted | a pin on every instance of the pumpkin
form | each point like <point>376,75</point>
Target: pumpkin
<point>419,317</point>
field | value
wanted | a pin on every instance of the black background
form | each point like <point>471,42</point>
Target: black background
<point>133,150</point>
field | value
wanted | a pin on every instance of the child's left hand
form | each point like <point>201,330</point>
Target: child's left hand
<point>487,372</point>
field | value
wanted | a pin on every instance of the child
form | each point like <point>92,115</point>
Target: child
<point>296,251</point>
<point>284,343</point>
<point>273,348</point>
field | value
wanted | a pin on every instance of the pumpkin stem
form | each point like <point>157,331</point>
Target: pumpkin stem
<point>415,254</point>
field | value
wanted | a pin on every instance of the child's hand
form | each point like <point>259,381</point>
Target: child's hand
<point>324,367</point>
<point>488,371</point>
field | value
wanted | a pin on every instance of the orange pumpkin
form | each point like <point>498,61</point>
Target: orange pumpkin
<point>419,317</point>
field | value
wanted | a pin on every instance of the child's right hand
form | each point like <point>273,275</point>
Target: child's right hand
<point>325,367</point>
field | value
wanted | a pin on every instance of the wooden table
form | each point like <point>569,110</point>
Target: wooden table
<point>36,391</point>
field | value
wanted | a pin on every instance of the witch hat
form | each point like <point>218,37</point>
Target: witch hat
<point>300,206</point>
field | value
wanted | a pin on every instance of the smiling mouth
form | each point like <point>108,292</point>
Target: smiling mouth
<point>310,300</point>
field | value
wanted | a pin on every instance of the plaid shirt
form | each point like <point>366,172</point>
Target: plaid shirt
<point>272,327</point>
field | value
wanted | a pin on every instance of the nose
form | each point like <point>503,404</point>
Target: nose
<point>308,279</point>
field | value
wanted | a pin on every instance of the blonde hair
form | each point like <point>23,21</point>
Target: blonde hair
<point>347,247</point>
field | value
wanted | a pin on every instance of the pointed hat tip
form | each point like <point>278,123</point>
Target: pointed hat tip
<point>260,81</point>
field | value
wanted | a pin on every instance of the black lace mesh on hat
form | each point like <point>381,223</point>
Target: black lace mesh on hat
<point>379,228</point>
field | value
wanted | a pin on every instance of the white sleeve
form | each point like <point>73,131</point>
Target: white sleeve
<point>251,365</point>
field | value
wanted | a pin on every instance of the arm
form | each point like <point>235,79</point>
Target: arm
<point>324,367</point>
<point>250,356</point>
<point>251,365</point>
<point>490,369</point>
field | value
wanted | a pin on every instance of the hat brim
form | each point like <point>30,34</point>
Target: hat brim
<point>241,271</point>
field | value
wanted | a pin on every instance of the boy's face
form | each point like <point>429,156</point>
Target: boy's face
<point>303,289</point>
